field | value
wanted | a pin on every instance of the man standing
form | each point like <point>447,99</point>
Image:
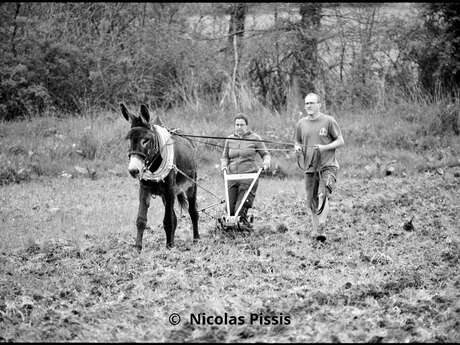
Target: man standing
<point>239,157</point>
<point>317,136</point>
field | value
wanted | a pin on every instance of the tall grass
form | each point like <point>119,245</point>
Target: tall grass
<point>405,131</point>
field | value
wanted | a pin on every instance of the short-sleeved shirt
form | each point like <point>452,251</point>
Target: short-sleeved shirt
<point>321,130</point>
<point>240,156</point>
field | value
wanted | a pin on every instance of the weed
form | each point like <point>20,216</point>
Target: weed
<point>447,120</point>
<point>88,146</point>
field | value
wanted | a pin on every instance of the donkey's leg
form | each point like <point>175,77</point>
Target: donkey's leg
<point>170,219</point>
<point>141,221</point>
<point>192,210</point>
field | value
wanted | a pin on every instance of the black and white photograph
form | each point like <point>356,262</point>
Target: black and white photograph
<point>224,172</point>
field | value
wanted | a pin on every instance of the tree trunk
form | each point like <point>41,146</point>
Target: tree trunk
<point>235,70</point>
<point>238,13</point>
<point>13,37</point>
<point>307,67</point>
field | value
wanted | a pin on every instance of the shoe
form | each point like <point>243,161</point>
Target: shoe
<point>320,238</point>
<point>245,223</point>
<point>320,235</point>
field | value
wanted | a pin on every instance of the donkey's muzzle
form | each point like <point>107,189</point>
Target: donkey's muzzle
<point>134,172</point>
<point>135,165</point>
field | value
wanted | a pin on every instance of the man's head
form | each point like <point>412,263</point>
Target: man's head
<point>241,124</point>
<point>312,104</point>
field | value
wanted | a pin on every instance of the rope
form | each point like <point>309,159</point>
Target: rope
<point>177,169</point>
<point>212,205</point>
<point>304,153</point>
<point>206,143</point>
<point>222,146</point>
<point>226,138</point>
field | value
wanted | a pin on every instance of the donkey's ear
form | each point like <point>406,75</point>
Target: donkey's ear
<point>158,121</point>
<point>145,115</point>
<point>125,112</point>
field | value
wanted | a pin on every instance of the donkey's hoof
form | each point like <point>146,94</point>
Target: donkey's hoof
<point>169,245</point>
<point>137,247</point>
<point>196,239</point>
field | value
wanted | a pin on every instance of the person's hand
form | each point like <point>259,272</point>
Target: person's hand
<point>319,147</point>
<point>223,168</point>
<point>266,166</point>
<point>297,148</point>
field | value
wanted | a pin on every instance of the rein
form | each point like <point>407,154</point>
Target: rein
<point>304,155</point>
<point>174,131</point>
<point>226,138</point>
<point>315,161</point>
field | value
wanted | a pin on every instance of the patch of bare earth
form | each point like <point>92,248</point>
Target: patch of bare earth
<point>373,280</point>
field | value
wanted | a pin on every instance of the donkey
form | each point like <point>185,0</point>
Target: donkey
<point>165,165</point>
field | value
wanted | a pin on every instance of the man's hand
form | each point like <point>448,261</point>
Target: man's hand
<point>266,166</point>
<point>319,147</point>
<point>297,148</point>
<point>223,164</point>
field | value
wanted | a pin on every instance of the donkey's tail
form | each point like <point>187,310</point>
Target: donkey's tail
<point>183,202</point>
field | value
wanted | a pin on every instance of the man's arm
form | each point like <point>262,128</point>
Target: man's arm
<point>335,133</point>
<point>332,145</point>
<point>298,138</point>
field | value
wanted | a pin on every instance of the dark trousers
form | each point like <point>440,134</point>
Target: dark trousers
<point>319,185</point>
<point>236,191</point>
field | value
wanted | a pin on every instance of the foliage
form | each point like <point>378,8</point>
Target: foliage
<point>19,95</point>
<point>446,120</point>
<point>439,53</point>
<point>72,57</point>
<point>52,76</point>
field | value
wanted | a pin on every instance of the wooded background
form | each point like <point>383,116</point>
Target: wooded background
<point>70,57</point>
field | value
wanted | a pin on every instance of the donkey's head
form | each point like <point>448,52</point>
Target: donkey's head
<point>144,143</point>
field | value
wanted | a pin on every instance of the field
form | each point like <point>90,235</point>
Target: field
<point>68,271</point>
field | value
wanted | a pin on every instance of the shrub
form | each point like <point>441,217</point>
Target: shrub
<point>20,96</point>
<point>53,75</point>
<point>88,146</point>
<point>9,175</point>
<point>446,120</point>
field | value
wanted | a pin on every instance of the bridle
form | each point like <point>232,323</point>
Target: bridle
<point>152,154</point>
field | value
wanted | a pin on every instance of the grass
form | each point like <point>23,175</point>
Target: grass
<point>68,271</point>
<point>49,146</point>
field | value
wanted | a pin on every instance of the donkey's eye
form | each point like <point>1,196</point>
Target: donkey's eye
<point>144,142</point>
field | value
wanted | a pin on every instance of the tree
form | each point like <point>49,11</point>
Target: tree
<point>439,56</point>
<point>306,67</point>
<point>235,43</point>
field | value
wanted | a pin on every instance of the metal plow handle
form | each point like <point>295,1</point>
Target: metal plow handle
<point>254,177</point>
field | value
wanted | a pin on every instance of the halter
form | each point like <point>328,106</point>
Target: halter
<point>159,148</point>
<point>152,153</point>
<point>139,153</point>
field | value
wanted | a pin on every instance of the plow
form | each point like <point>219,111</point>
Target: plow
<point>229,222</point>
